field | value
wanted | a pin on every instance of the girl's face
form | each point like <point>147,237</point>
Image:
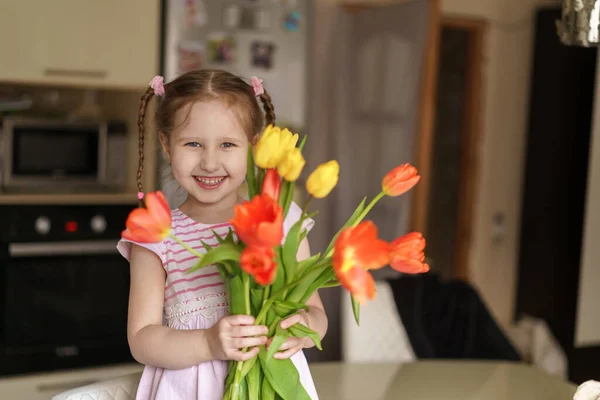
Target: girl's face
<point>208,152</point>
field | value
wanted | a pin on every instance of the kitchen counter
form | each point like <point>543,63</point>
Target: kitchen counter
<point>66,198</point>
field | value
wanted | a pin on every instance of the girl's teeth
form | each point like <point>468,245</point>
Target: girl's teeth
<point>210,181</point>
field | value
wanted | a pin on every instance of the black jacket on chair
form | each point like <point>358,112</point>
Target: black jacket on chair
<point>448,320</point>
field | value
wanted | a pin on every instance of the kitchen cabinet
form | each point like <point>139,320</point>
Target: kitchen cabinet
<point>108,43</point>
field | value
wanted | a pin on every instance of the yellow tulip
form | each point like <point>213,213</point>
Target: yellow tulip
<point>273,145</point>
<point>291,165</point>
<point>323,179</point>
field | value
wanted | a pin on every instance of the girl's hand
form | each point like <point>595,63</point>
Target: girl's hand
<point>293,344</point>
<point>231,334</point>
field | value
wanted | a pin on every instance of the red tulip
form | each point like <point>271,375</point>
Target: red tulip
<point>357,250</point>
<point>151,224</point>
<point>400,180</point>
<point>407,254</point>
<point>259,222</point>
<point>271,184</point>
<point>260,263</point>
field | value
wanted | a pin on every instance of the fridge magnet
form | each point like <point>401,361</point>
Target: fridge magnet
<point>248,18</point>
<point>190,56</point>
<point>195,13</point>
<point>291,21</point>
<point>262,19</point>
<point>262,54</point>
<point>220,48</point>
<point>232,16</point>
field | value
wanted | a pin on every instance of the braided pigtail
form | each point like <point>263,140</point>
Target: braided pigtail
<point>265,98</point>
<point>145,99</point>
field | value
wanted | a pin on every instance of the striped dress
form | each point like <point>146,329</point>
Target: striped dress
<point>197,301</point>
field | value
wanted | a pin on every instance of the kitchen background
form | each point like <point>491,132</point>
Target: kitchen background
<point>460,88</point>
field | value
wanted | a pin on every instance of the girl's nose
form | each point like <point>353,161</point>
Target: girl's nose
<point>209,161</point>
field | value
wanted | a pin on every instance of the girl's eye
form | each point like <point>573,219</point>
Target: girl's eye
<point>227,145</point>
<point>193,144</point>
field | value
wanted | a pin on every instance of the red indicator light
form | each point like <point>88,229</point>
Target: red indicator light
<point>71,226</point>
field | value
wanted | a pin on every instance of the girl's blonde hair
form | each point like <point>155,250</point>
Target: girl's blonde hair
<point>204,85</point>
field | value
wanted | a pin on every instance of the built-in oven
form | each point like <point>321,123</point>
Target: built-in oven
<point>63,287</point>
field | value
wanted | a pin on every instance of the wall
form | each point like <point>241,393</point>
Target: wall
<point>587,331</point>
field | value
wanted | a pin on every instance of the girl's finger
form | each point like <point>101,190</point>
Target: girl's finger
<point>293,320</point>
<point>240,343</point>
<point>244,356</point>
<point>240,319</point>
<point>288,353</point>
<point>251,330</point>
<point>288,344</point>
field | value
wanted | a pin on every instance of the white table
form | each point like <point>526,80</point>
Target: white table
<point>438,380</point>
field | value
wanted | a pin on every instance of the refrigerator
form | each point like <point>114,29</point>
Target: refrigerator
<point>264,38</point>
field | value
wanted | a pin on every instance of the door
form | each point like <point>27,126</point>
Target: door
<point>365,107</point>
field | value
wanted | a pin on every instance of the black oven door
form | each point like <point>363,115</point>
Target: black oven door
<point>64,306</point>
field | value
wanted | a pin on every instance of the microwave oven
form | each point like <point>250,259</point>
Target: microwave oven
<point>58,155</point>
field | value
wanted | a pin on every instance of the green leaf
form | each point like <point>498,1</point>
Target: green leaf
<point>250,173</point>
<point>259,180</point>
<point>230,238</point>
<point>289,197</point>
<point>247,366</point>
<point>290,251</point>
<point>224,252</point>
<point>284,308</point>
<point>308,262</point>
<point>318,283</point>
<point>219,238</point>
<point>230,372</point>
<point>285,189</point>
<point>355,309</point>
<point>272,322</point>
<point>303,142</point>
<point>280,336</point>
<point>267,392</point>
<point>350,221</point>
<point>280,273</point>
<point>243,393</point>
<point>237,302</point>
<point>254,379</point>
<point>300,289</point>
<point>256,297</point>
<point>283,377</point>
<point>298,330</point>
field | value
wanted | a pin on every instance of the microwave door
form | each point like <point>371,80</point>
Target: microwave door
<point>61,155</point>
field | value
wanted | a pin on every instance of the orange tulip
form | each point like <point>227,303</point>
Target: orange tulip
<point>400,180</point>
<point>407,254</point>
<point>260,263</point>
<point>259,222</point>
<point>356,251</point>
<point>271,184</point>
<point>151,224</point>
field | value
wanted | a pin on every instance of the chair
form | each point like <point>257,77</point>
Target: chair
<point>121,388</point>
<point>381,336</point>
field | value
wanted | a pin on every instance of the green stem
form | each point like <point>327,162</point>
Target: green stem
<point>185,246</point>
<point>368,208</point>
<point>269,302</point>
<point>305,207</point>
<point>247,311</point>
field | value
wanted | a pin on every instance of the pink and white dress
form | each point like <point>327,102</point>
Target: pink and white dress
<point>197,301</point>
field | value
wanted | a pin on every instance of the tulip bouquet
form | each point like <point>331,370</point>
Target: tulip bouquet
<point>259,264</point>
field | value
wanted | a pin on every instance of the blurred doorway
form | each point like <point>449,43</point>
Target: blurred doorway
<point>453,149</point>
